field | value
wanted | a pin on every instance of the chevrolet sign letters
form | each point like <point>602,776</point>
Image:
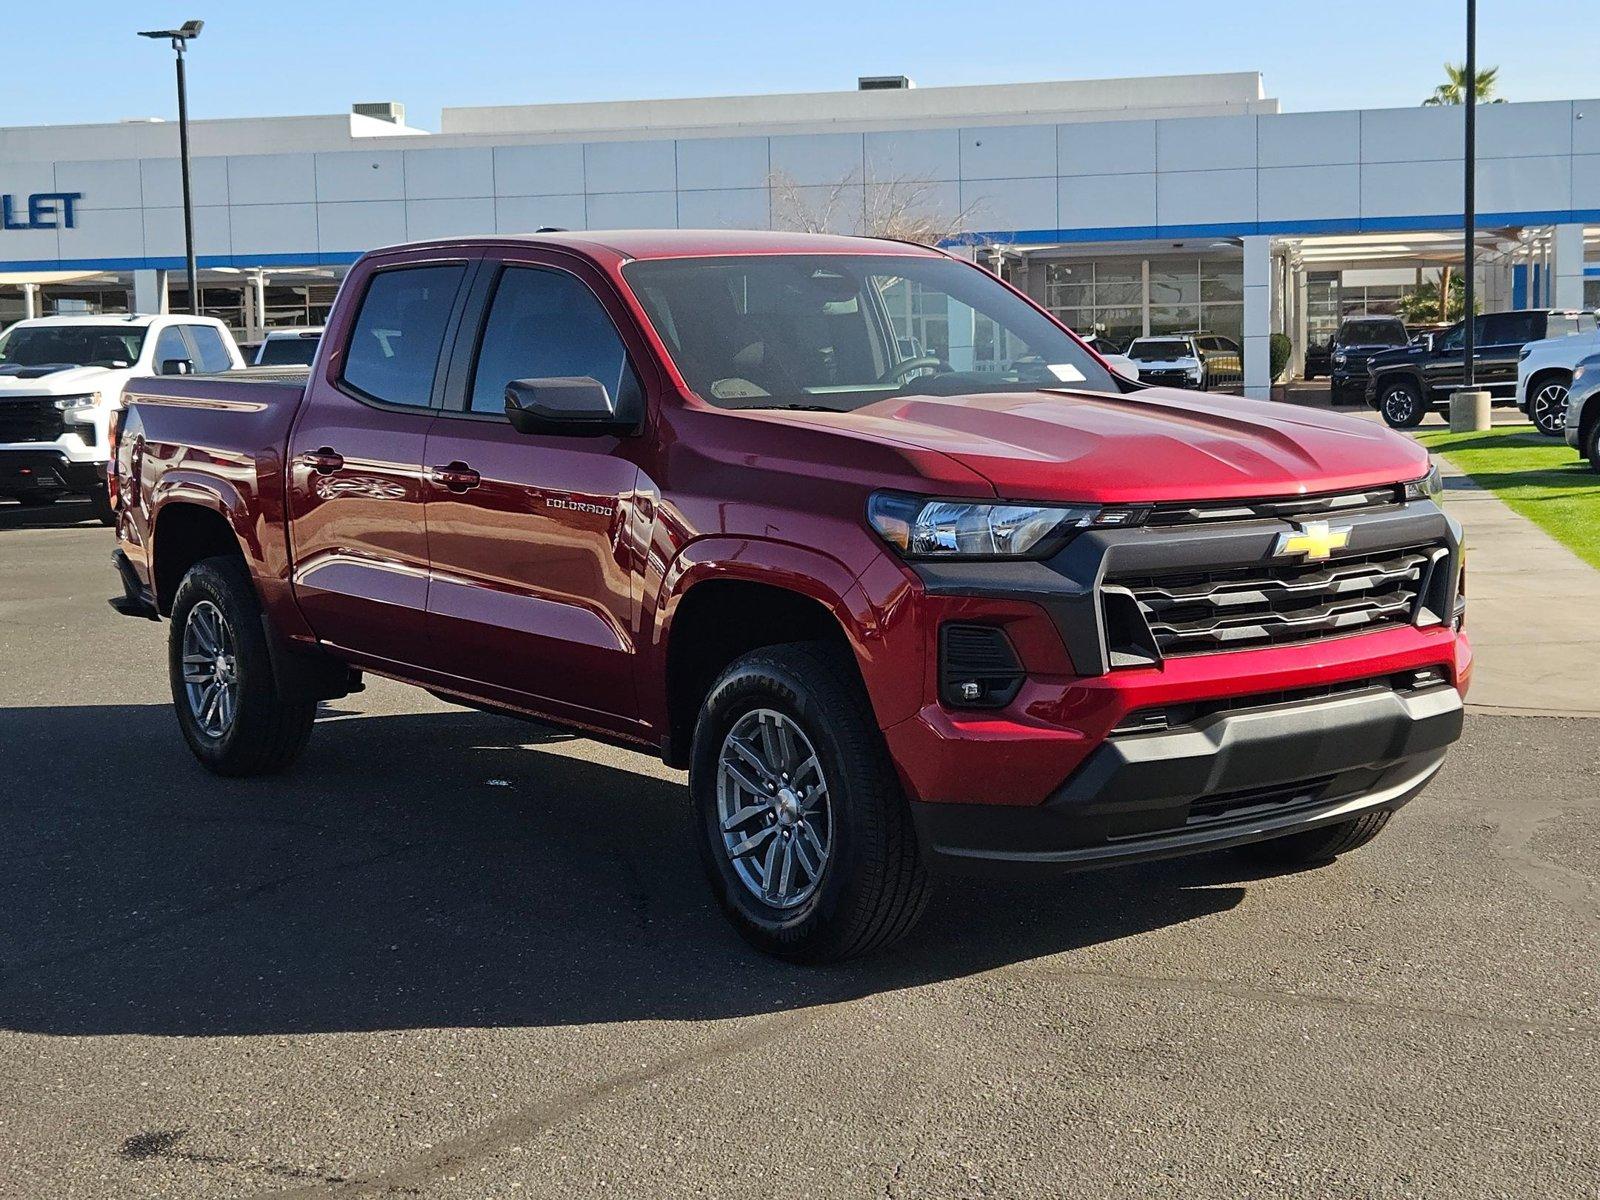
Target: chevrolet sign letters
<point>42,210</point>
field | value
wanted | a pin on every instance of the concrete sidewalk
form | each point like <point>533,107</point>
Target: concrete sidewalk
<point>1530,604</point>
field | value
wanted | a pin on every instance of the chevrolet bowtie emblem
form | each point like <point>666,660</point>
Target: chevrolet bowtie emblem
<point>1313,541</point>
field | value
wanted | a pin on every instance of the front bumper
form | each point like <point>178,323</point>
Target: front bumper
<point>1238,776</point>
<point>25,472</point>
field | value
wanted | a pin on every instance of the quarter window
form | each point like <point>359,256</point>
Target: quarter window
<point>545,324</point>
<point>394,347</point>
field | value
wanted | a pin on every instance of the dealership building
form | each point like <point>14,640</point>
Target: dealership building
<point>1128,207</point>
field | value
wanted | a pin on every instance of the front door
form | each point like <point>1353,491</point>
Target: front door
<point>356,487</point>
<point>533,560</point>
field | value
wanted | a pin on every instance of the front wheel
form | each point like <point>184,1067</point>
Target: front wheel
<point>1591,446</point>
<point>803,831</point>
<point>1401,404</point>
<point>1318,845</point>
<point>223,686</point>
<point>1547,406</point>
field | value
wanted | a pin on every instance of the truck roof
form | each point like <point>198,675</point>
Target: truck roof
<point>627,244</point>
<point>133,320</point>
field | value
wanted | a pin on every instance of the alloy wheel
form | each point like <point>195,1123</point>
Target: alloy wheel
<point>210,669</point>
<point>1549,408</point>
<point>773,809</point>
<point>1397,405</point>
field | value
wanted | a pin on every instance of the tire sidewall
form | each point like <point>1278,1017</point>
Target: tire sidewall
<point>762,682</point>
<point>1547,427</point>
<point>1411,416</point>
<point>212,581</point>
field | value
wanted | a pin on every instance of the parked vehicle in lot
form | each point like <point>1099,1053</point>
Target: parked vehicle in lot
<point>1583,410</point>
<point>685,491</point>
<point>288,347</point>
<point>1319,358</point>
<point>61,379</point>
<point>1188,360</point>
<point>1357,340</point>
<point>1404,385</point>
<point>1544,373</point>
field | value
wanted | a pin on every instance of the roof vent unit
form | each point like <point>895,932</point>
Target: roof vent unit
<point>382,110</point>
<point>883,83</point>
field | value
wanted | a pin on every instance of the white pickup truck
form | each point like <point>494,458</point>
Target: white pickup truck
<point>61,379</point>
<point>1544,374</point>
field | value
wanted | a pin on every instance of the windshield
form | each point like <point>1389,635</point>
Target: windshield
<point>1159,349</point>
<point>71,345</point>
<point>840,331</point>
<point>287,352</point>
<point>1372,333</point>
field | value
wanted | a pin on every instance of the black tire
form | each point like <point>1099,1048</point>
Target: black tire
<point>1401,404</point>
<point>100,504</point>
<point>266,732</point>
<point>38,499</point>
<point>1591,445</point>
<point>1318,845</point>
<point>873,884</point>
<point>1547,403</point>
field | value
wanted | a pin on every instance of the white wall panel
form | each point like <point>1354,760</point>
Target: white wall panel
<point>821,158</point>
<point>1524,184</point>
<point>1308,139</point>
<point>1405,189</point>
<point>630,166</point>
<point>1585,127</point>
<point>360,225</point>
<point>163,183</point>
<point>933,154</point>
<point>633,210</point>
<point>1524,130</point>
<point>1009,203</point>
<point>23,179</point>
<point>213,231</point>
<point>1205,143</point>
<point>706,163</point>
<point>274,228</point>
<point>1411,134</point>
<point>1096,201</point>
<point>449,174</point>
<point>1008,152</point>
<point>272,179</point>
<point>1586,181</point>
<point>1204,197</point>
<point>725,208</point>
<point>449,218</point>
<point>108,235</point>
<point>1309,193</point>
<point>36,245</point>
<point>539,170</point>
<point>361,175</point>
<point>107,184</point>
<point>525,214</point>
<point>1107,148</point>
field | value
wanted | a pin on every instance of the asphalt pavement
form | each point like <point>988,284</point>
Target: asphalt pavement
<point>452,955</point>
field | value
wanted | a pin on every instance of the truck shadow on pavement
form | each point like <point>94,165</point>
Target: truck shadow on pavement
<point>70,512</point>
<point>437,870</point>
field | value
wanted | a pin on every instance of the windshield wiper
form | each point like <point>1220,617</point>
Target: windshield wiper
<point>798,407</point>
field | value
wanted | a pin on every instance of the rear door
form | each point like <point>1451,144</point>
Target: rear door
<point>1504,335</point>
<point>356,491</point>
<point>534,559</point>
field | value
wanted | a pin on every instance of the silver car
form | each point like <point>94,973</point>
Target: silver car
<point>1583,410</point>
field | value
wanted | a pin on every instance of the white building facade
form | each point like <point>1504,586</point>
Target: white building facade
<point>1127,206</point>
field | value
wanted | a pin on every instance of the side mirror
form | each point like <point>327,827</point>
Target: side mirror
<point>564,406</point>
<point>176,366</point>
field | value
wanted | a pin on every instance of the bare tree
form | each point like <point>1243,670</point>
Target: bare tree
<point>904,208</point>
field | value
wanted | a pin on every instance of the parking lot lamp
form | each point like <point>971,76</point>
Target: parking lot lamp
<point>180,39</point>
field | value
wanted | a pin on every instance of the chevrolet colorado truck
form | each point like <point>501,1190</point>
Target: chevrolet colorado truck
<point>61,382</point>
<point>850,529</point>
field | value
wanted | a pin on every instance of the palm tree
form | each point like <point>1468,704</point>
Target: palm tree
<point>1454,89</point>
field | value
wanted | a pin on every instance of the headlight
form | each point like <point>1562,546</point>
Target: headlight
<point>1523,353</point>
<point>922,528</point>
<point>77,404</point>
<point>1194,371</point>
<point>1339,357</point>
<point>1429,487</point>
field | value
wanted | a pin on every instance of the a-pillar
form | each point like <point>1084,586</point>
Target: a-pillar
<point>1258,317</point>
<point>150,292</point>
<point>1569,266</point>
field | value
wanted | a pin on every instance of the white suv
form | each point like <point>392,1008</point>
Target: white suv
<point>1544,371</point>
<point>61,379</point>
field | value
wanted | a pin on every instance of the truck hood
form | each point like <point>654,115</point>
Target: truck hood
<point>55,379</point>
<point>1155,444</point>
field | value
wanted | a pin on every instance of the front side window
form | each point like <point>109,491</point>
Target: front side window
<point>544,324</point>
<point>208,345</point>
<point>839,332</point>
<point>71,345</point>
<point>170,346</point>
<point>399,332</point>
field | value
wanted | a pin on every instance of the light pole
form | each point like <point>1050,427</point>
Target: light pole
<point>180,39</point>
<point>1469,199</point>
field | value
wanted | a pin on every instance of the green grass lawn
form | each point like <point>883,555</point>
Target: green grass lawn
<point>1541,478</point>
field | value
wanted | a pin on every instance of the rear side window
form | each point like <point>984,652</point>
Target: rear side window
<point>395,344</point>
<point>543,324</point>
<point>208,345</point>
<point>1505,329</point>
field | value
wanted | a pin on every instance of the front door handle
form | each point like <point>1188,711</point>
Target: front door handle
<point>324,461</point>
<point>458,477</point>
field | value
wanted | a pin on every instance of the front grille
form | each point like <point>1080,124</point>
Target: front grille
<point>1293,508</point>
<point>34,419</point>
<point>1236,608</point>
<point>1165,378</point>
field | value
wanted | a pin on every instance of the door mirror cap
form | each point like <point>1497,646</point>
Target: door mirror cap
<point>175,366</point>
<point>564,406</point>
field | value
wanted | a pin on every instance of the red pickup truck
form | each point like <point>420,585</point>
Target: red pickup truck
<point>901,572</point>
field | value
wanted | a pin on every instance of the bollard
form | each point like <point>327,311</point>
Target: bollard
<point>1469,411</point>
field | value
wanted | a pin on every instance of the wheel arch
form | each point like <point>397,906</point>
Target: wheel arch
<point>189,525</point>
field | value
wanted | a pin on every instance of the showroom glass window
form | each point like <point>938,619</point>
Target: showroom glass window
<point>544,324</point>
<point>394,346</point>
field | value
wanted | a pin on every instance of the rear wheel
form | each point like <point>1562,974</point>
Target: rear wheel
<point>1401,404</point>
<point>803,831</point>
<point>223,687</point>
<point>1547,404</point>
<point>1318,845</point>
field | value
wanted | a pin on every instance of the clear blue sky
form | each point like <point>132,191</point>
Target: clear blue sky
<point>80,62</point>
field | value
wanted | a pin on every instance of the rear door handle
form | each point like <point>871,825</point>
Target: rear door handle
<point>324,461</point>
<point>458,477</point>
